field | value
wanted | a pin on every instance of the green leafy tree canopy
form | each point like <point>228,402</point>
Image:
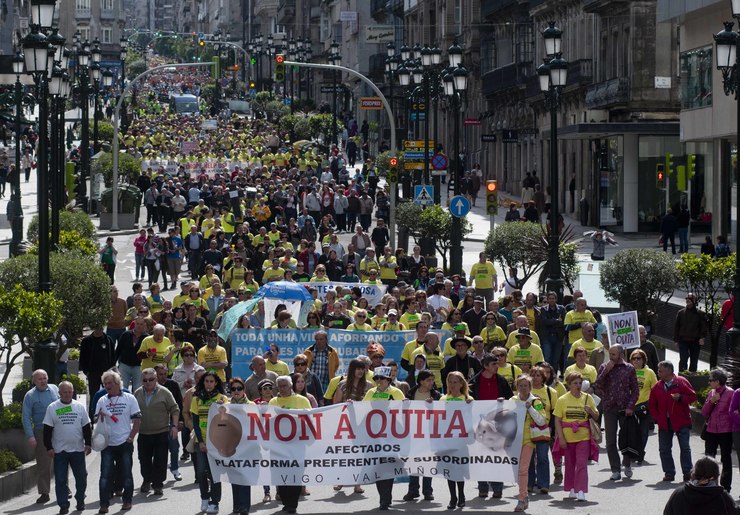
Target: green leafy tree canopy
<point>638,279</point>
<point>69,221</point>
<point>128,166</point>
<point>517,245</point>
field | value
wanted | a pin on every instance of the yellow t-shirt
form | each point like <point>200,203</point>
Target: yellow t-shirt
<point>409,349</point>
<point>410,320</point>
<point>574,317</point>
<point>293,402</point>
<point>646,379</point>
<point>200,408</point>
<point>162,350</point>
<point>541,409</point>
<point>448,397</point>
<point>588,372</point>
<point>280,367</point>
<point>571,409</point>
<point>493,336</point>
<point>271,274</point>
<point>483,274</point>
<point>506,373</point>
<point>523,357</point>
<point>206,355</point>
<point>332,388</point>
<point>529,313</point>
<point>388,326</point>
<point>511,339</point>
<point>391,394</point>
<point>359,327</point>
<point>435,363</point>
<point>589,346</point>
<point>179,300</point>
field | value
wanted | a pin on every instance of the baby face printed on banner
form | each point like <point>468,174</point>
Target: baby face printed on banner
<point>497,430</point>
<point>226,432</point>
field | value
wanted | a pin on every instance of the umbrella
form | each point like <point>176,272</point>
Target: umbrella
<point>284,290</point>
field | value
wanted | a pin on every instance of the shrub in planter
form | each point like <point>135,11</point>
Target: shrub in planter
<point>77,382</point>
<point>11,416</point>
<point>74,354</point>
<point>19,391</point>
<point>8,461</point>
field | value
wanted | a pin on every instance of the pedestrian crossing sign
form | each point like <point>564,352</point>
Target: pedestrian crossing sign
<point>424,195</point>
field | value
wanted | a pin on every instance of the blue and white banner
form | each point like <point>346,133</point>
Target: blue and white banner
<point>247,343</point>
<point>372,292</point>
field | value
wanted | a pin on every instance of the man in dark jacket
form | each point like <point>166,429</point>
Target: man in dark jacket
<point>97,354</point>
<point>668,230</point>
<point>688,333</point>
<point>462,361</point>
<point>489,385</point>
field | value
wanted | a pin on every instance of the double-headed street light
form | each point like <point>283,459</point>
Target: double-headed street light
<point>455,84</point>
<point>728,50</point>
<point>15,209</point>
<point>553,76</point>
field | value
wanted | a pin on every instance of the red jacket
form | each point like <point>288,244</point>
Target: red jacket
<point>661,404</point>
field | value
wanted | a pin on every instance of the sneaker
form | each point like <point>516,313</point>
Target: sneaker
<point>410,497</point>
<point>581,496</point>
<point>572,494</point>
<point>185,456</point>
<point>178,476</point>
<point>616,476</point>
<point>203,505</point>
<point>627,471</point>
<point>212,508</point>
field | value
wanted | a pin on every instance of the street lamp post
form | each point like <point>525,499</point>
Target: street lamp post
<point>335,59</point>
<point>553,75</point>
<point>455,84</point>
<point>728,50</point>
<point>15,209</point>
<point>83,56</point>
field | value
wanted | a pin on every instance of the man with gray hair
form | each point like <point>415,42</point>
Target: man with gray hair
<point>67,436</point>
<point>35,403</point>
<point>259,372</point>
<point>617,383</point>
<point>159,416</point>
<point>120,413</point>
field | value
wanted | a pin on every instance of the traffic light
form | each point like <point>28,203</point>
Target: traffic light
<point>201,43</point>
<point>660,176</point>
<point>681,178</point>
<point>279,68</point>
<point>252,84</point>
<point>691,166</point>
<point>491,197</point>
<point>669,163</point>
<point>393,170</point>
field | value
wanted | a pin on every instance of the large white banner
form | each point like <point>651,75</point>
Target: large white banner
<point>362,442</point>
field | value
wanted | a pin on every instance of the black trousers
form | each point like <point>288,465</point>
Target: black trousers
<point>289,495</point>
<point>724,442</point>
<point>153,450</point>
<point>385,492</point>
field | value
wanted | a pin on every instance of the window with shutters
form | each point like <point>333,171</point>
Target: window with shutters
<point>106,35</point>
<point>82,7</point>
<point>487,53</point>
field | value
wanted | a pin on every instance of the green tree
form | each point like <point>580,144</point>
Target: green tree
<point>69,221</point>
<point>517,245</point>
<point>26,317</point>
<point>435,223</point>
<point>707,278</point>
<point>81,286</point>
<point>135,68</point>
<point>323,124</point>
<point>275,110</point>
<point>128,166</point>
<point>105,131</point>
<point>407,217</point>
<point>638,279</point>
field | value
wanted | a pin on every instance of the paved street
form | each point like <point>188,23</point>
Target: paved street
<point>645,493</point>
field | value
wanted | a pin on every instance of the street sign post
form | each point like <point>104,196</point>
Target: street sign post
<point>424,195</point>
<point>459,206</point>
<point>439,161</point>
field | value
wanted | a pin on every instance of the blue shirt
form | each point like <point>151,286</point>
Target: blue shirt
<point>176,246</point>
<point>34,407</point>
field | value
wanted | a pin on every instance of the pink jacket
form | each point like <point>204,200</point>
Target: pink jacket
<point>718,415</point>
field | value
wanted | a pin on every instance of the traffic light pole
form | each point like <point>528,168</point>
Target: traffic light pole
<point>391,120</point>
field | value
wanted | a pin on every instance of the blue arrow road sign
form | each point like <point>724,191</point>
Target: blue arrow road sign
<point>459,206</point>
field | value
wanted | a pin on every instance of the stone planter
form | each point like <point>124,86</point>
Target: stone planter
<point>27,366</point>
<point>15,440</point>
<point>125,220</point>
<point>73,366</point>
<point>661,353</point>
<point>697,420</point>
<point>17,482</point>
<point>698,381</point>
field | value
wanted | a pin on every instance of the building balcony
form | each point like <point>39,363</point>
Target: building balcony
<point>580,71</point>
<point>506,77</point>
<point>608,93</point>
<point>107,14</point>
<point>491,7</point>
<point>82,14</point>
<point>286,12</point>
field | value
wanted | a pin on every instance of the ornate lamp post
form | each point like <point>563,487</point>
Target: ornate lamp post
<point>15,209</point>
<point>728,50</point>
<point>553,74</point>
<point>336,59</point>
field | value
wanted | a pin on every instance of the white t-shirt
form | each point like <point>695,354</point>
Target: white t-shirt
<point>67,421</point>
<point>124,408</point>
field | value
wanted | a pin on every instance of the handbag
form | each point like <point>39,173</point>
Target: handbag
<point>595,428</point>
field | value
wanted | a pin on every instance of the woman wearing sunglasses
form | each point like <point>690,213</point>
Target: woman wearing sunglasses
<point>241,494</point>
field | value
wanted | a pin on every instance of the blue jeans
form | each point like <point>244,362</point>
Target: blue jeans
<point>539,466</point>
<point>62,462</point>
<point>683,239</point>
<point>665,446</point>
<point>113,458</point>
<point>426,485</point>
<point>131,375</point>
<point>174,447</point>
<point>140,265</point>
<point>203,475</point>
<point>242,498</point>
<point>551,350</point>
